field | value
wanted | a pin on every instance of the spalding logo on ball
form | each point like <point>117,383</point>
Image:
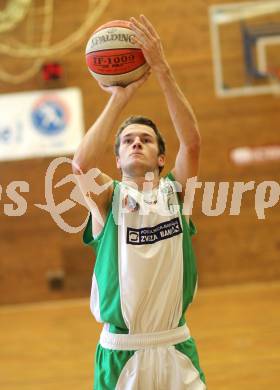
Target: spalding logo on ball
<point>112,57</point>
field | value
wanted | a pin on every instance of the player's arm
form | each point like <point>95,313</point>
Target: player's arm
<point>92,149</point>
<point>87,159</point>
<point>181,113</point>
<point>186,127</point>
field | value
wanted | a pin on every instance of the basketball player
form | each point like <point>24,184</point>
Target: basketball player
<point>145,272</point>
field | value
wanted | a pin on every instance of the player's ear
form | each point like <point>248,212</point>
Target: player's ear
<point>118,162</point>
<point>161,160</point>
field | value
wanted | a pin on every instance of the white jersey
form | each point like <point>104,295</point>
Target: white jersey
<point>150,258</point>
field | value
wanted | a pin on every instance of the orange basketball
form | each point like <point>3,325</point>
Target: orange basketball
<point>112,57</point>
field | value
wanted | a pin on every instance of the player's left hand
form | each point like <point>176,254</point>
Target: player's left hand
<point>150,43</point>
<point>125,93</point>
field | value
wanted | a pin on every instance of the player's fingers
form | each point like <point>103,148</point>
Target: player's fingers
<point>137,30</point>
<point>102,86</point>
<point>135,25</point>
<point>105,88</point>
<point>140,42</point>
<point>144,77</point>
<point>141,81</point>
<point>149,26</point>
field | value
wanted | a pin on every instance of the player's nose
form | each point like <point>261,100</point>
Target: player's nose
<point>137,143</point>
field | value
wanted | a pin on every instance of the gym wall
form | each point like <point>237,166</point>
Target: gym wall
<point>39,261</point>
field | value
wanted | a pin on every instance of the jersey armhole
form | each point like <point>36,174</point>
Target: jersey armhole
<point>191,226</point>
<point>88,238</point>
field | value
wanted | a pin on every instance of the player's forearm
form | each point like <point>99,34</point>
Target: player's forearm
<point>93,145</point>
<point>180,110</point>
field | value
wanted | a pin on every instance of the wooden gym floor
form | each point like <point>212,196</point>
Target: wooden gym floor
<point>50,346</point>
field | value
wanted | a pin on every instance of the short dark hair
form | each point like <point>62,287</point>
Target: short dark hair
<point>141,120</point>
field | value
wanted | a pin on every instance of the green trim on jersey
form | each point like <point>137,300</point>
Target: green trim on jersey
<point>105,245</point>
<point>190,271</point>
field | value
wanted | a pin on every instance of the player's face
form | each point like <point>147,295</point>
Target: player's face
<point>138,152</point>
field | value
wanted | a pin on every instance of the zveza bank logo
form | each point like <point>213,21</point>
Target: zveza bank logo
<point>150,235</point>
<point>50,115</point>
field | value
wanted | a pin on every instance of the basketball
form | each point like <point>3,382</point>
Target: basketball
<point>112,57</point>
